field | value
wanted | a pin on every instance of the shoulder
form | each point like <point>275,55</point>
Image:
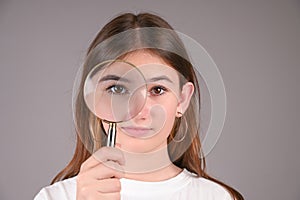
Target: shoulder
<point>207,189</point>
<point>65,189</point>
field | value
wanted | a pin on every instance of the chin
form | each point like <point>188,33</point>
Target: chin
<point>136,146</point>
<point>142,145</point>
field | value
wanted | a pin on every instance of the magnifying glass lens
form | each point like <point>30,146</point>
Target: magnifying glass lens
<point>115,91</point>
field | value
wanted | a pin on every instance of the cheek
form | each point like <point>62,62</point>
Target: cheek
<point>163,119</point>
<point>170,111</point>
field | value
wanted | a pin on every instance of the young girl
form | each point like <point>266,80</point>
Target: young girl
<point>158,151</point>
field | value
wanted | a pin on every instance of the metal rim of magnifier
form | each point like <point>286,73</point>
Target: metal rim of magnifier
<point>104,63</point>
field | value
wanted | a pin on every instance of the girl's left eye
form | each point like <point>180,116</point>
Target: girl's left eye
<point>158,90</point>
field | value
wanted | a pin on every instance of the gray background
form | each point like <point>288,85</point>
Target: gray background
<point>255,44</point>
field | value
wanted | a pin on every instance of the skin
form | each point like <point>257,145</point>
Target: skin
<point>145,134</point>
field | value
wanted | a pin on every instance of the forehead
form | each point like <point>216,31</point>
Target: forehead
<point>151,65</point>
<point>143,57</point>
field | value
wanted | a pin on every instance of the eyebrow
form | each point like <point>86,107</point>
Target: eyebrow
<point>118,78</point>
<point>113,78</point>
<point>160,78</point>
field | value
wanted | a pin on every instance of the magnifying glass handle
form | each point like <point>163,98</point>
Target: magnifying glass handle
<point>112,133</point>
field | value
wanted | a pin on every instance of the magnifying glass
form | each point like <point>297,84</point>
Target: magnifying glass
<point>115,91</point>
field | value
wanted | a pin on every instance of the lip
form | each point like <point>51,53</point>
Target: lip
<point>137,132</point>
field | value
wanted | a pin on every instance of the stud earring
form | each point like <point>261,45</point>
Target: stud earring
<point>179,114</point>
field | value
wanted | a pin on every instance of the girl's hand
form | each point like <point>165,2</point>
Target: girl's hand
<point>99,176</point>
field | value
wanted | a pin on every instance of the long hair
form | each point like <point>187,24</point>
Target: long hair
<point>90,132</point>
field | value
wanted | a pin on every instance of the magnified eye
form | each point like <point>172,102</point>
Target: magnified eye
<point>117,89</point>
<point>158,90</point>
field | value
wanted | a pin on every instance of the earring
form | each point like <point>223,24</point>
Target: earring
<point>179,114</point>
<point>182,129</point>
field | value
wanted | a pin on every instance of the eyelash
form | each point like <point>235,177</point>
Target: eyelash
<point>110,88</point>
<point>152,91</point>
<point>160,87</point>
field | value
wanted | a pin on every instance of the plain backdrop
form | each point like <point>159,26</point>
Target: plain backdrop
<point>255,45</point>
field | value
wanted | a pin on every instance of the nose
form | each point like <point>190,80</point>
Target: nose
<point>145,112</point>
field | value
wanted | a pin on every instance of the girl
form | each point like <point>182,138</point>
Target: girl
<point>154,158</point>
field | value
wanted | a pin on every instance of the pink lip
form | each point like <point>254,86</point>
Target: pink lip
<point>136,131</point>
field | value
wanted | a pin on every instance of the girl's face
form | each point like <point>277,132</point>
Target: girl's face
<point>149,129</point>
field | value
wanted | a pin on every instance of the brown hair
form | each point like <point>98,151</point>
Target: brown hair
<point>193,158</point>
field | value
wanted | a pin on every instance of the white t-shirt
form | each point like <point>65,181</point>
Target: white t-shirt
<point>184,186</point>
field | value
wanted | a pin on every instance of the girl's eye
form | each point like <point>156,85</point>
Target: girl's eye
<point>158,90</point>
<point>117,89</point>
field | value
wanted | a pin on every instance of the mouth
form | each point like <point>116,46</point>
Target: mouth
<point>137,132</point>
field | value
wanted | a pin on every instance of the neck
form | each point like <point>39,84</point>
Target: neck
<point>153,166</point>
<point>154,176</point>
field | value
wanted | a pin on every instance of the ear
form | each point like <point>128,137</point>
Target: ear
<point>184,98</point>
